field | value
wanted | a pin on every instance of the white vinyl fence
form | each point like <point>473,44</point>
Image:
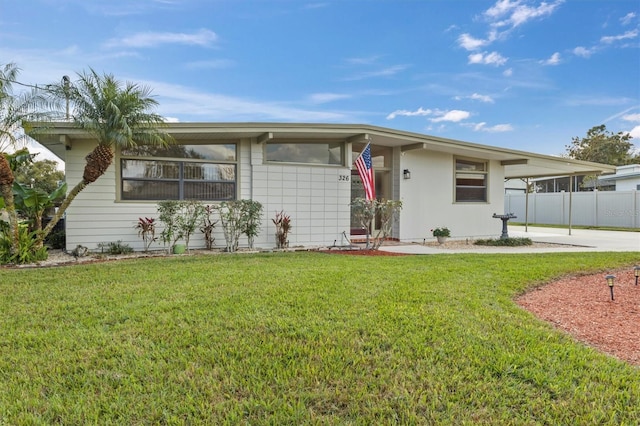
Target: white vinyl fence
<point>597,208</point>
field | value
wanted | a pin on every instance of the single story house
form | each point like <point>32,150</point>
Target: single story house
<point>627,178</point>
<point>305,170</point>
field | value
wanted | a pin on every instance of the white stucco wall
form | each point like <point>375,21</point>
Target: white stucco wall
<point>428,199</point>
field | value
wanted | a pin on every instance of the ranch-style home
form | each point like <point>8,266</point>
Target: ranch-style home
<point>304,170</point>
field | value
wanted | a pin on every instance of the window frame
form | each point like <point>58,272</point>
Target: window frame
<point>182,181</point>
<point>457,187</point>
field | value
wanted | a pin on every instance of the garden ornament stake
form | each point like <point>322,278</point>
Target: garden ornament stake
<point>636,272</point>
<point>610,279</point>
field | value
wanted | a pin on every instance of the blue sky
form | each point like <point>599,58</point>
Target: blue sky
<point>520,74</point>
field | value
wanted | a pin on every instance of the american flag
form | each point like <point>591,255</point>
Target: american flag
<point>365,169</point>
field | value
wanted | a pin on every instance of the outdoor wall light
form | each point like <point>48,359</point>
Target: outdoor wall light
<point>610,279</point>
<point>636,272</point>
<point>406,174</point>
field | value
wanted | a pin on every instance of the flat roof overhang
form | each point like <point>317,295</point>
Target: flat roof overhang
<point>59,136</point>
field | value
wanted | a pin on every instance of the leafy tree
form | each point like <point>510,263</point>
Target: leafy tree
<point>43,175</point>
<point>602,146</point>
<point>15,110</point>
<point>117,115</point>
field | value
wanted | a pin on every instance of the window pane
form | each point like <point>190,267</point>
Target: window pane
<point>209,191</point>
<point>150,169</point>
<point>149,190</point>
<point>206,171</point>
<point>470,194</point>
<point>471,180</point>
<point>471,166</point>
<point>217,152</point>
<point>311,153</point>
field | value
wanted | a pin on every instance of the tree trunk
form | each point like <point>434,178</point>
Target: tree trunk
<point>9,205</point>
<point>71,195</point>
<point>98,161</point>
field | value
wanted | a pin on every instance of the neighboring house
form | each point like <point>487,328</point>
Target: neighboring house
<point>627,178</point>
<point>304,170</point>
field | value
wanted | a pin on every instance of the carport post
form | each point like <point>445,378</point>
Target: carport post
<point>526,206</point>
<point>570,200</point>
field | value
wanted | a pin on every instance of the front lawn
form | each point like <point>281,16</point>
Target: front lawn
<point>302,338</point>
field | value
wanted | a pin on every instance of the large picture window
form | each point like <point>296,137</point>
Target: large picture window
<point>471,181</point>
<point>327,153</point>
<point>179,172</point>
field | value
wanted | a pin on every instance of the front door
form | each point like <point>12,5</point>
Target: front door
<point>381,161</point>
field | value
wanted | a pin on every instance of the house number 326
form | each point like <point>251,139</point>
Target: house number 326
<point>343,178</point>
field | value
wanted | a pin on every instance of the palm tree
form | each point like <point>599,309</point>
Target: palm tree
<point>117,115</point>
<point>14,111</point>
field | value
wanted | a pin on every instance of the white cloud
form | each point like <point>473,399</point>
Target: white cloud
<point>366,60</point>
<point>508,72</point>
<point>384,72</point>
<point>626,36</point>
<point>628,18</point>
<point>513,13</point>
<point>454,116</point>
<point>471,43</point>
<point>498,128</point>
<point>493,58</point>
<point>635,132</point>
<point>406,113</point>
<point>506,15</point>
<point>523,13</point>
<point>553,60</point>
<point>632,117</point>
<point>481,98</point>
<point>202,38</point>
<point>321,98</point>
<point>191,104</point>
<point>583,51</point>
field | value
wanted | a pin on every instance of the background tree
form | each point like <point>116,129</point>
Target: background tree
<point>43,175</point>
<point>602,146</point>
<point>116,115</point>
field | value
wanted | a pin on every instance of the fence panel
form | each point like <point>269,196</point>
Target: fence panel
<point>597,208</point>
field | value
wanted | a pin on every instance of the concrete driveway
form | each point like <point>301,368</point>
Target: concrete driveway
<point>579,240</point>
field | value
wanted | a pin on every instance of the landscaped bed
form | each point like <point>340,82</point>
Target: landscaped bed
<point>291,338</point>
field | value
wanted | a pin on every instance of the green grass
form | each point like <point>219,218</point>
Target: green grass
<point>302,338</point>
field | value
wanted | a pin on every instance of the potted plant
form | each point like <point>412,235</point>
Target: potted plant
<point>441,234</point>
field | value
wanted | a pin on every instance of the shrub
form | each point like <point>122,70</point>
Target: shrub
<point>146,227</point>
<point>56,240</point>
<point>28,250</point>
<point>511,242</point>
<point>282,222</point>
<point>117,247</point>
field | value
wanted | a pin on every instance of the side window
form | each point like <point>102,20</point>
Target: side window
<point>471,181</point>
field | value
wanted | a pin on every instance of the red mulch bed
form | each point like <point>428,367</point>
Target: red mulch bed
<point>582,307</point>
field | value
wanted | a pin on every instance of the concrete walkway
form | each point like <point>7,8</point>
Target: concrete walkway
<point>579,240</point>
